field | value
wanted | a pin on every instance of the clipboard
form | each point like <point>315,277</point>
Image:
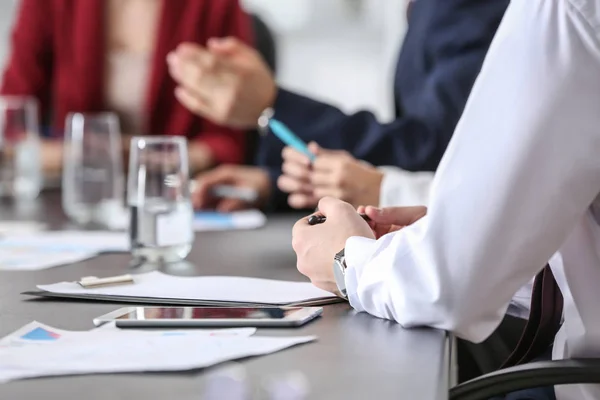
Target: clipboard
<point>151,301</point>
<point>158,288</point>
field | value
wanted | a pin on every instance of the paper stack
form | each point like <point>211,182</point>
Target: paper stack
<point>158,288</point>
<point>39,350</point>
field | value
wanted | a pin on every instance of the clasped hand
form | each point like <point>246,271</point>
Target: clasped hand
<point>316,245</point>
<point>334,173</point>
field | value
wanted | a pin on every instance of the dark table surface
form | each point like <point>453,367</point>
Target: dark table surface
<point>356,356</point>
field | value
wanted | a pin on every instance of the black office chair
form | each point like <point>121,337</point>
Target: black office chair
<point>265,44</point>
<point>528,376</point>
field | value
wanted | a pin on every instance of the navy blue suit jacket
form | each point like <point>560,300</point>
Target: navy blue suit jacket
<point>441,56</point>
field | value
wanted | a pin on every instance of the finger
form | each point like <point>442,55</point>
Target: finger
<point>331,206</point>
<point>229,205</point>
<point>195,68</point>
<point>326,162</point>
<point>318,150</point>
<point>291,185</point>
<point>381,230</point>
<point>301,201</point>
<point>194,54</point>
<point>289,154</point>
<point>195,78</point>
<point>372,225</point>
<point>193,102</point>
<point>396,215</point>
<point>323,179</point>
<point>295,170</point>
<point>203,200</point>
<point>314,148</point>
<point>202,196</point>
<point>191,54</point>
<point>190,50</point>
<point>234,55</point>
<point>330,191</point>
<point>394,228</point>
<point>226,46</point>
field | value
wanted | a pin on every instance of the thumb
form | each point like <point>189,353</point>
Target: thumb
<point>314,148</point>
<point>331,205</point>
<point>226,46</point>
<point>396,215</point>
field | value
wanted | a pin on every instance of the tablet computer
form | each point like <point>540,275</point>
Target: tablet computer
<point>213,317</point>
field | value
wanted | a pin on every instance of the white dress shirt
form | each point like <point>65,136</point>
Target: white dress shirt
<point>400,188</point>
<point>404,188</point>
<point>518,186</point>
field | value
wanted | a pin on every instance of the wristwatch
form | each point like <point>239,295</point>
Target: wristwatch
<point>263,120</point>
<point>339,272</point>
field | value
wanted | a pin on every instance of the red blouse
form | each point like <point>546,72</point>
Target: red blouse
<point>58,56</point>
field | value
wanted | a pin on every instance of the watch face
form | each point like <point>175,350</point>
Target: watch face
<point>339,270</point>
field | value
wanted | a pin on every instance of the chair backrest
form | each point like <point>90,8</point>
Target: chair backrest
<point>265,42</point>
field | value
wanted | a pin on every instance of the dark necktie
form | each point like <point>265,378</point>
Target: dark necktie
<point>544,320</point>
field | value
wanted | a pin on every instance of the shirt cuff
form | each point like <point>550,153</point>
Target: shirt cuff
<point>401,188</point>
<point>357,253</point>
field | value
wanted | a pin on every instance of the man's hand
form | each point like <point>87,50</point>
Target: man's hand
<point>228,82</point>
<point>235,175</point>
<point>334,173</point>
<point>391,219</point>
<point>316,245</point>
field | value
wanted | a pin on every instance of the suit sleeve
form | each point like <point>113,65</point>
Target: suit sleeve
<point>460,32</point>
<point>226,144</point>
<point>29,68</point>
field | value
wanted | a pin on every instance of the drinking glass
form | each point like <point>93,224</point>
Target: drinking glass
<point>159,201</point>
<point>20,150</point>
<point>93,180</point>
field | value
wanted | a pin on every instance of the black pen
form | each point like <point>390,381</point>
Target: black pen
<point>316,219</point>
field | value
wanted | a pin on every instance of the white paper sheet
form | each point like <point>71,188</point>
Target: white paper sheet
<point>36,333</point>
<point>42,250</point>
<point>210,288</point>
<point>34,258</point>
<point>107,351</point>
<point>13,228</point>
<point>214,221</point>
<point>80,241</point>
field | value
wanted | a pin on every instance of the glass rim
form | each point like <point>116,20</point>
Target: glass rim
<point>92,114</point>
<point>155,139</point>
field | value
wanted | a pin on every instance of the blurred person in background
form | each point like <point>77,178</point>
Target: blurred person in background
<point>110,55</point>
<point>227,82</point>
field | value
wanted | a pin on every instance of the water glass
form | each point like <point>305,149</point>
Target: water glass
<point>159,201</point>
<point>93,184</point>
<point>20,149</point>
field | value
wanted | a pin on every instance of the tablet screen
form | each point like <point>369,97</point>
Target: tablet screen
<point>191,313</point>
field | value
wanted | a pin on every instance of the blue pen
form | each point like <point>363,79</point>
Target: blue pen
<point>287,136</point>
